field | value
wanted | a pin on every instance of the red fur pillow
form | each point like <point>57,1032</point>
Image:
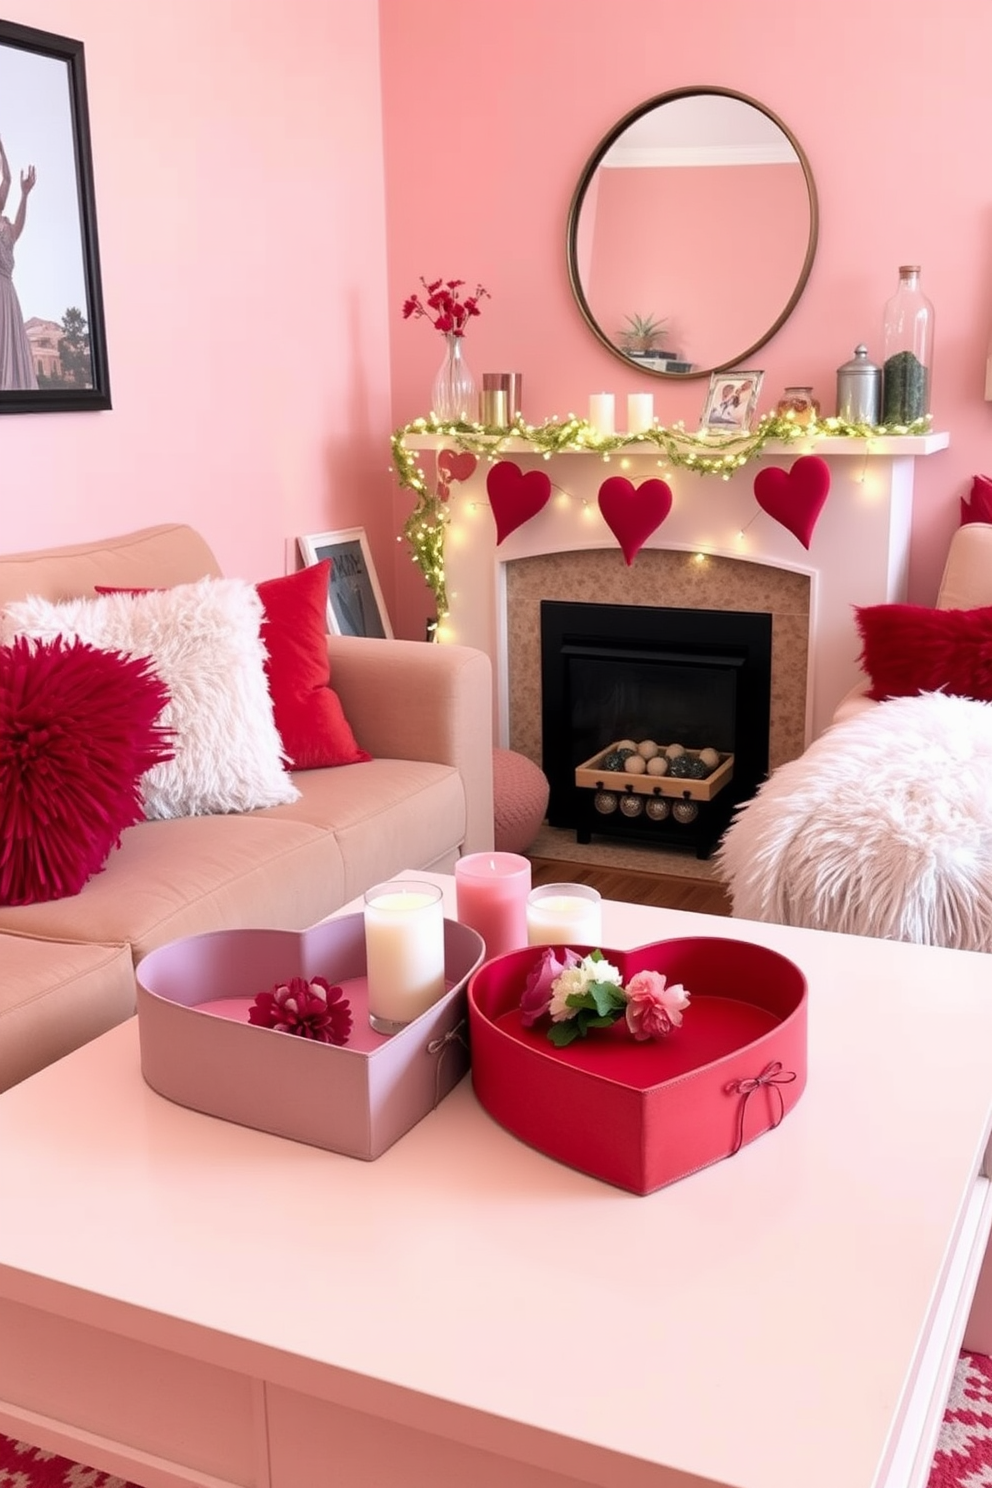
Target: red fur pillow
<point>77,732</point>
<point>908,649</point>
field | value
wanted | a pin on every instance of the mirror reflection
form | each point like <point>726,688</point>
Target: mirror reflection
<point>692,232</point>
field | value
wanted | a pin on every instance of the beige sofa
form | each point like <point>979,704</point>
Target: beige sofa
<point>422,711</point>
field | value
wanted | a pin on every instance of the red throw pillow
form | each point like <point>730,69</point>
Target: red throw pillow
<point>979,508</point>
<point>908,649</point>
<point>314,730</point>
<point>77,732</point>
<point>309,716</point>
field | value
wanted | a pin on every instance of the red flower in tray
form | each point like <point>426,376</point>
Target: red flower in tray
<point>312,1010</point>
<point>587,992</point>
<point>444,307</point>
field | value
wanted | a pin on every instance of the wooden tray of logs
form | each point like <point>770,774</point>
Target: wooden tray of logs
<point>592,776</point>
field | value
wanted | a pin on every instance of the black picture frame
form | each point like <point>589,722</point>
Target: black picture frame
<point>55,285</point>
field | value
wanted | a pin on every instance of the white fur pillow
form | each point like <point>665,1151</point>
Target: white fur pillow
<point>204,642</point>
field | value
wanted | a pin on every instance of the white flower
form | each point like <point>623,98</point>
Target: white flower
<point>574,981</point>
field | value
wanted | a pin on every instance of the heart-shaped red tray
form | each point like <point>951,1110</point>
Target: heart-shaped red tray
<point>641,1115</point>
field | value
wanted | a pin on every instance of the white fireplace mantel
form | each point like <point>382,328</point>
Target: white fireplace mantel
<point>858,554</point>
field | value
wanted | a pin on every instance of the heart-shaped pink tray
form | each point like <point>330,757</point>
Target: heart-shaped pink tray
<point>357,1099</point>
<point>641,1115</point>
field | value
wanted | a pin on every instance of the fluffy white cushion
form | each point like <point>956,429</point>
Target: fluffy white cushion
<point>204,642</point>
<point>883,827</point>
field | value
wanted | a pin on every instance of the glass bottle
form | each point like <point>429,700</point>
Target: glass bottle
<point>454,399</point>
<point>907,339</point>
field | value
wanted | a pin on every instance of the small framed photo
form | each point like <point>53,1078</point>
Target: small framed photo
<point>731,402</point>
<point>354,600</point>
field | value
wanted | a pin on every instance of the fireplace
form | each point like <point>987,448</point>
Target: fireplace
<point>686,679</point>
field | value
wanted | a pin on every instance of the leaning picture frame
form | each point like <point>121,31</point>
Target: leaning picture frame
<point>731,402</point>
<point>53,352</point>
<point>354,600</point>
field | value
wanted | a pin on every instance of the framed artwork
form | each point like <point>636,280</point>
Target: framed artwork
<point>731,402</point>
<point>354,599</point>
<point>53,353</point>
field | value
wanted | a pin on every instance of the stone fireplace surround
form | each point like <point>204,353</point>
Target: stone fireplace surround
<point>716,550</point>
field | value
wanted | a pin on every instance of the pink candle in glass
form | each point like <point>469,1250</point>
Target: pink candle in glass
<point>491,894</point>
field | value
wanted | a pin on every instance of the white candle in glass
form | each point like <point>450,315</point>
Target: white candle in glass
<point>601,414</point>
<point>640,412</point>
<point>564,914</point>
<point>404,952</point>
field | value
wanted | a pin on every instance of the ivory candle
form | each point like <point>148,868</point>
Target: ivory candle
<point>404,952</point>
<point>491,894</point>
<point>601,412</point>
<point>640,412</point>
<point>568,914</point>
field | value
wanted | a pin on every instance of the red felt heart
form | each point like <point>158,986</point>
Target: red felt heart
<point>795,497</point>
<point>515,497</point>
<point>641,1115</point>
<point>456,466</point>
<point>632,513</point>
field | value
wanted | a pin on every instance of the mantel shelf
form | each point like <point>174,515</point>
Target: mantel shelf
<point>888,446</point>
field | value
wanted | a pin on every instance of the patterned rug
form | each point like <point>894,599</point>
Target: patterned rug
<point>963,1458</point>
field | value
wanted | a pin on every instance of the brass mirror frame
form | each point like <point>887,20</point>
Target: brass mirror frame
<point>578,197</point>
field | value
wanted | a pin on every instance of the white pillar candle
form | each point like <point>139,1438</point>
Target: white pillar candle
<point>564,914</point>
<point>601,412</point>
<point>404,952</point>
<point>640,412</point>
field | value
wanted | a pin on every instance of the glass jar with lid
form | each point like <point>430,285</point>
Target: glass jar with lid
<point>799,405</point>
<point>907,337</point>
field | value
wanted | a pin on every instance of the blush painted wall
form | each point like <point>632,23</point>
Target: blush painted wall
<point>238,167</point>
<point>491,113</point>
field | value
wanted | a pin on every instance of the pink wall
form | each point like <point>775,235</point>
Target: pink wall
<point>238,165</point>
<point>490,116</point>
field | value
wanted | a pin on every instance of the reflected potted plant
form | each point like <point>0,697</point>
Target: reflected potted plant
<point>641,334</point>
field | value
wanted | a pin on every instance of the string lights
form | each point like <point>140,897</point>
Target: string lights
<point>703,453</point>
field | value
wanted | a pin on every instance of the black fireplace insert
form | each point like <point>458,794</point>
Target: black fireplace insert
<point>685,680</point>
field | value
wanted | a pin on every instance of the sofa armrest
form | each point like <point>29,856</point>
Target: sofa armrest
<point>854,702</point>
<point>418,701</point>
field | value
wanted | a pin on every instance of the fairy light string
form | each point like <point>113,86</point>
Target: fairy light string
<point>702,453</point>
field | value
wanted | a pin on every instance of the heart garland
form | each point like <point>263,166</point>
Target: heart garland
<point>515,497</point>
<point>795,497</point>
<point>632,512</point>
<point>455,466</point>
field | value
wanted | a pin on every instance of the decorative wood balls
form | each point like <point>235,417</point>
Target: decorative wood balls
<point>647,749</point>
<point>657,765</point>
<point>710,758</point>
<point>635,764</point>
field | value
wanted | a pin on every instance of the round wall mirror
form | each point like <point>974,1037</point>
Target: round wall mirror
<point>692,231</point>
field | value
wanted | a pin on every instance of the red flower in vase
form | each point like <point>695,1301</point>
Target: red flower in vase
<point>312,1010</point>
<point>444,306</point>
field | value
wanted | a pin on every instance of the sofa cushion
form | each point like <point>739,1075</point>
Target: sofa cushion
<point>308,713</point>
<point>385,816</point>
<point>909,649</point>
<point>54,997</point>
<point>191,874</point>
<point>204,642</point>
<point>77,732</point>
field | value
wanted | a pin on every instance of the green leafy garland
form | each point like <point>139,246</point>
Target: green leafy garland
<point>703,453</point>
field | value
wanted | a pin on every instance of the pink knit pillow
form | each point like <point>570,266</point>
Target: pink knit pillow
<point>77,732</point>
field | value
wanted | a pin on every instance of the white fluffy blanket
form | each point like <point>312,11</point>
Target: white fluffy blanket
<point>883,827</point>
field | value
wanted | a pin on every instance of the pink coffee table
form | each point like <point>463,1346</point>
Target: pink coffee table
<point>188,1302</point>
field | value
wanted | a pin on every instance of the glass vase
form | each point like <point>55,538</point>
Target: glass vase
<point>454,400</point>
<point>908,350</point>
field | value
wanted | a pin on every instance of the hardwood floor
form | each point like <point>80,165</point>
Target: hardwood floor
<point>665,892</point>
